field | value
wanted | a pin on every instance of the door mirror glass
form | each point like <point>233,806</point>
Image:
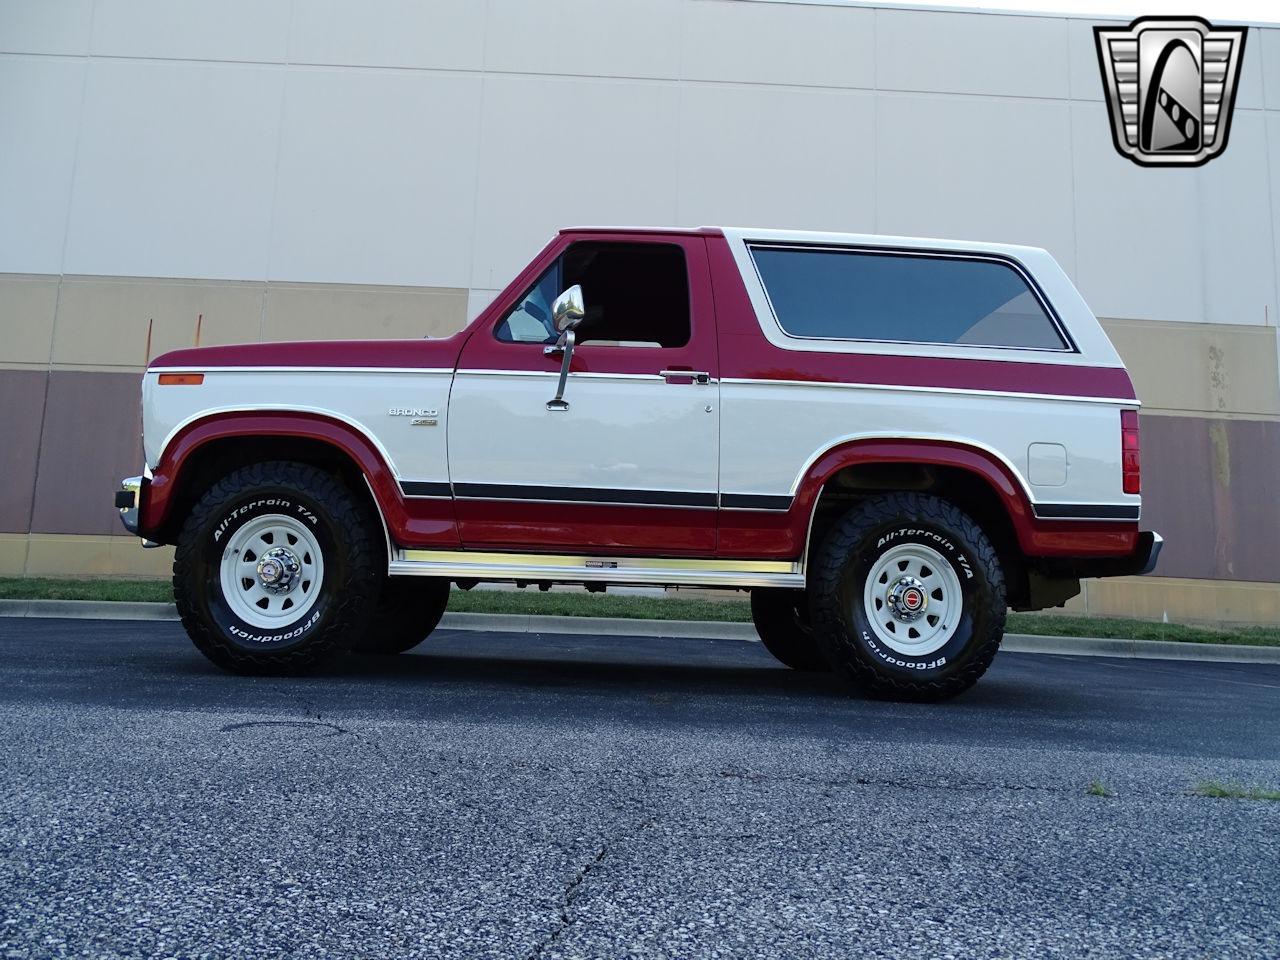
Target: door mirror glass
<point>567,311</point>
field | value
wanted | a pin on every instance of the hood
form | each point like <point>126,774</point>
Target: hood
<point>416,354</point>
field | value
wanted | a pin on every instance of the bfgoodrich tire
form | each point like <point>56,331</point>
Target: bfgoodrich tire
<point>276,569</point>
<point>907,597</point>
<point>406,613</point>
<point>782,620</point>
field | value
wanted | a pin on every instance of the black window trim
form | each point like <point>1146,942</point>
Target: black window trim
<point>926,253</point>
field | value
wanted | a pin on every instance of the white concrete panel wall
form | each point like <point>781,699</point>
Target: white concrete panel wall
<point>773,155</point>
<point>236,30</point>
<point>419,34</point>
<point>175,169</point>
<point>46,26</point>
<point>556,151</point>
<point>999,56</point>
<point>441,142</point>
<point>39,118</point>
<point>623,38</point>
<point>766,43</point>
<point>1236,240</point>
<point>1138,250</point>
<point>376,177</point>
<point>957,166</point>
<point>1273,144</point>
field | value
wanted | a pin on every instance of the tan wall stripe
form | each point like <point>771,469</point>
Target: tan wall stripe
<point>107,323</point>
<point>1211,396</point>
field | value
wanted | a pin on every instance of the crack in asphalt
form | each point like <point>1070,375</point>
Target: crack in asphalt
<point>335,730</point>
<point>314,720</point>
<point>569,894</point>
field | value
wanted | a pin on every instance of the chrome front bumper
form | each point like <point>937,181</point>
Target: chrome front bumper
<point>129,501</point>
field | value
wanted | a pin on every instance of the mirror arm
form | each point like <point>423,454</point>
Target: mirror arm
<point>564,346</point>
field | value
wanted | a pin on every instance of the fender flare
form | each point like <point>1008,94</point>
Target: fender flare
<point>346,438</point>
<point>998,475</point>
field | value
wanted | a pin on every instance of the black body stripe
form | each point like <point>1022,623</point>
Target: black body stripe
<point>678,498</point>
<point>653,498</point>
<point>425,488</point>
<point>755,501</point>
<point>1086,511</point>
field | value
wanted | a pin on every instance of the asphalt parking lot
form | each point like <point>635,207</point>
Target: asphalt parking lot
<point>506,795</point>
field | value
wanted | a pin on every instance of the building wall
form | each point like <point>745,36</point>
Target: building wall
<point>264,169</point>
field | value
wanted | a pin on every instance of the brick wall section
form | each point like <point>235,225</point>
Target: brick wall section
<point>1209,488</point>
<point>91,438</point>
<point>22,395</point>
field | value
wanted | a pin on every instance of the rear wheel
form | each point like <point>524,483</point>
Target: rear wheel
<point>782,620</point>
<point>406,613</point>
<point>907,597</point>
<point>276,569</point>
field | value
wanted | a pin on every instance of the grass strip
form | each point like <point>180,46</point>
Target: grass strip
<point>1234,791</point>
<point>630,607</point>
<point>61,588</point>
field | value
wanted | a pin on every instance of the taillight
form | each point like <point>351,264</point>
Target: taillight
<point>1130,451</point>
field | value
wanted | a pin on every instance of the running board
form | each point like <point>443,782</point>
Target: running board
<point>561,568</point>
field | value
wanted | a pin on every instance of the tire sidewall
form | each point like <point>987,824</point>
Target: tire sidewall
<point>206,588</point>
<point>978,617</point>
<point>782,621</point>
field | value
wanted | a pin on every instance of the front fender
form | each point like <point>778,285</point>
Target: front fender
<point>172,474</point>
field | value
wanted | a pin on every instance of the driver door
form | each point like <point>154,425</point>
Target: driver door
<point>629,466</point>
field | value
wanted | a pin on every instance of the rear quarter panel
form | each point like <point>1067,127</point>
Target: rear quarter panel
<point>785,401</point>
<point>804,420</point>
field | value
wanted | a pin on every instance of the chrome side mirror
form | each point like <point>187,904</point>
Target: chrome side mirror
<point>566,313</point>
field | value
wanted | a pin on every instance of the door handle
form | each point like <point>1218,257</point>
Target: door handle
<point>697,376</point>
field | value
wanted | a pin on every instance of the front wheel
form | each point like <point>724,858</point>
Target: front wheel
<point>276,569</point>
<point>907,597</point>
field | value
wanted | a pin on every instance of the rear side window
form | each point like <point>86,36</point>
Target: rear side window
<point>902,298</point>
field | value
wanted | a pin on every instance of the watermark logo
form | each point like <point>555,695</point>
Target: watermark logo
<point>1170,84</point>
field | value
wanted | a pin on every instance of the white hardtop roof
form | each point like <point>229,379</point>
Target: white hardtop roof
<point>773,235</point>
<point>1017,251</point>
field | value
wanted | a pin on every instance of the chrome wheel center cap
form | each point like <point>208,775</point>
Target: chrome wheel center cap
<point>907,599</point>
<point>277,570</point>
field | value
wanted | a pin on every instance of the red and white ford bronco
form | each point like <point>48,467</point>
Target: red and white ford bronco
<point>888,441</point>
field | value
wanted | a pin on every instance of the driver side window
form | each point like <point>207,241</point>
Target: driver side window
<point>636,295</point>
<point>530,320</point>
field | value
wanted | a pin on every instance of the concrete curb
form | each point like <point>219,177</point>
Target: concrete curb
<point>1141,649</point>
<point>693,629</point>
<point>88,609</point>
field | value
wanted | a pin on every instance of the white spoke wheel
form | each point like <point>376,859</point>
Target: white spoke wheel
<point>912,599</point>
<point>272,571</point>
